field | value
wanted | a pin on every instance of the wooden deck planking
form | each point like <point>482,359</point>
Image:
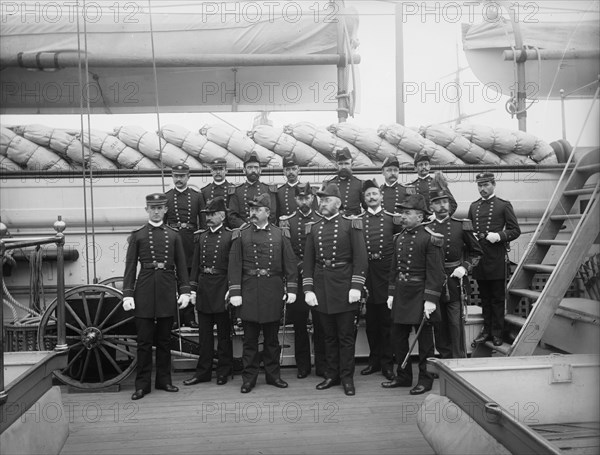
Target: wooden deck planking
<point>208,419</point>
<point>573,438</point>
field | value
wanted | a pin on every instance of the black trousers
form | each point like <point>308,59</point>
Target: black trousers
<point>492,293</point>
<point>400,334</point>
<point>449,333</point>
<point>270,353</point>
<point>379,323</point>
<point>206,322</point>
<point>147,330</point>
<point>297,314</point>
<point>340,339</point>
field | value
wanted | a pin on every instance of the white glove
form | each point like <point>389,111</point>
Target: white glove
<point>183,301</point>
<point>310,298</point>
<point>353,295</point>
<point>227,295</point>
<point>429,308</point>
<point>193,298</point>
<point>390,301</point>
<point>493,237</point>
<point>291,298</point>
<point>459,272</point>
<point>128,303</point>
<point>236,301</point>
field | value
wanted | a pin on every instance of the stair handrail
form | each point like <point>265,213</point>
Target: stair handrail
<point>555,194</point>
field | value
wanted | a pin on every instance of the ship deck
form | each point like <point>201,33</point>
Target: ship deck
<point>209,419</point>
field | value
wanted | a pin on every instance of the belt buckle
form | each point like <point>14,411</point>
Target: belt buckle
<point>262,272</point>
<point>402,276</point>
<point>209,270</point>
<point>183,225</point>
<point>328,262</point>
<point>375,256</point>
<point>159,265</point>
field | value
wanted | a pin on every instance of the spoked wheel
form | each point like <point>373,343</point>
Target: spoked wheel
<point>114,282</point>
<point>101,337</point>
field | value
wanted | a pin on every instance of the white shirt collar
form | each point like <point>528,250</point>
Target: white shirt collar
<point>332,217</point>
<point>181,191</point>
<point>393,184</point>
<point>155,224</point>
<point>217,228</point>
<point>374,212</point>
<point>219,183</point>
<point>488,198</point>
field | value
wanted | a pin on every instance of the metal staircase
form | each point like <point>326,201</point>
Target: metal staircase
<point>574,203</point>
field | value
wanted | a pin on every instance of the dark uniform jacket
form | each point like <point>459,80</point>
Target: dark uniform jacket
<point>392,194</point>
<point>461,248</point>
<point>286,200</point>
<point>417,273</point>
<point>352,195</point>
<point>493,215</point>
<point>259,260</point>
<point>335,261</point>
<point>209,269</point>
<point>213,190</point>
<point>183,215</point>
<point>298,225</point>
<point>163,267</point>
<point>238,201</point>
<point>378,231</point>
<point>425,185</point>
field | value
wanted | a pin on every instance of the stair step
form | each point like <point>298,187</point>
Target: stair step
<point>579,192</point>
<point>565,217</point>
<point>540,268</point>
<point>591,168</point>
<point>504,348</point>
<point>552,242</point>
<point>514,319</point>
<point>526,293</point>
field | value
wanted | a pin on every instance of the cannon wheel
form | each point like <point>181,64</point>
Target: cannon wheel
<point>114,282</point>
<point>101,337</point>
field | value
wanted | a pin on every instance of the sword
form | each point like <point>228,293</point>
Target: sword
<point>283,331</point>
<point>464,312</point>
<point>412,346</point>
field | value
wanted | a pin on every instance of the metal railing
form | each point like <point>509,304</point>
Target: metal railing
<point>10,244</point>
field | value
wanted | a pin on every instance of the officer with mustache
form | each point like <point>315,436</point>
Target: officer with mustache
<point>241,195</point>
<point>349,186</point>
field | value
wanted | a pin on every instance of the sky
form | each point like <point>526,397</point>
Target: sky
<point>432,53</point>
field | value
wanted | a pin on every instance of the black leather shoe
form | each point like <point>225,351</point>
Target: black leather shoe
<point>388,374</point>
<point>302,374</point>
<point>349,389</point>
<point>369,370</point>
<point>221,380</point>
<point>138,394</point>
<point>482,337</point>
<point>192,324</point>
<point>419,389</point>
<point>278,382</point>
<point>496,341</point>
<point>327,383</point>
<point>195,380</point>
<point>246,387</point>
<point>168,388</point>
<point>396,382</point>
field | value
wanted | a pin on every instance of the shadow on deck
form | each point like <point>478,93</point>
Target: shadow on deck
<point>210,419</point>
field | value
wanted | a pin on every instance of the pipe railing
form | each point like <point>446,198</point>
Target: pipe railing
<point>10,244</point>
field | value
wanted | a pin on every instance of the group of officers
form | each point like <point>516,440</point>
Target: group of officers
<point>252,250</point>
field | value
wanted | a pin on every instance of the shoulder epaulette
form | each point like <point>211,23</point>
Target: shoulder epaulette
<point>467,224</point>
<point>327,180</point>
<point>388,213</point>
<point>231,189</point>
<point>356,221</point>
<point>198,233</point>
<point>273,188</point>
<point>227,229</point>
<point>410,189</point>
<point>284,222</point>
<point>237,232</point>
<point>397,219</point>
<point>308,226</point>
<point>281,186</point>
<point>287,217</point>
<point>436,239</point>
<point>285,230</point>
